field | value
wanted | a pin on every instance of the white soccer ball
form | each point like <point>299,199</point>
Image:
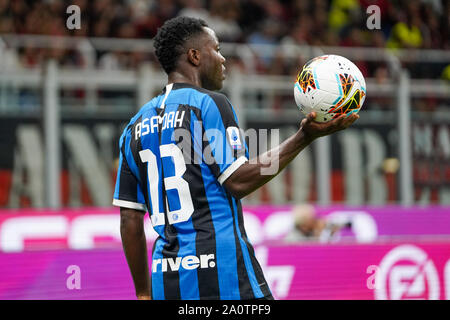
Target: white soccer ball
<point>329,85</point>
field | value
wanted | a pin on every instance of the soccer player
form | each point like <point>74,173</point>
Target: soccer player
<point>184,160</point>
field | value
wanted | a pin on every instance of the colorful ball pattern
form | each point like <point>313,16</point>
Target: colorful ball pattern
<point>330,85</point>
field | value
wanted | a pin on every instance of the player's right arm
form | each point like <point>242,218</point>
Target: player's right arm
<point>129,197</point>
<point>251,175</point>
<point>135,247</point>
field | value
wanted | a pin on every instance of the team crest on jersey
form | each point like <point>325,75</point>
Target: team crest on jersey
<point>234,138</point>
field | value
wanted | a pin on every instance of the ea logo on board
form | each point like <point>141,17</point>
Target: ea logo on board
<point>406,273</point>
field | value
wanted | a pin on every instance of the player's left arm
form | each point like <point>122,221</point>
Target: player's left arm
<point>135,247</point>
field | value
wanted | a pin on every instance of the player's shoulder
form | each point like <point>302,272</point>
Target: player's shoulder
<point>218,97</point>
<point>147,110</point>
<point>200,98</point>
<point>215,100</point>
<point>142,113</point>
<point>207,92</point>
<point>203,94</point>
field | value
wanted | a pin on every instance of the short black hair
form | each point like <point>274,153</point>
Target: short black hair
<point>172,36</point>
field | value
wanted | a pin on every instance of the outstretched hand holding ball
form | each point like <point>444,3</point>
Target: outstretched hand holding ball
<point>313,129</point>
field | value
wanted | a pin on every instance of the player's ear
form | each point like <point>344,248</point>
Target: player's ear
<point>194,56</point>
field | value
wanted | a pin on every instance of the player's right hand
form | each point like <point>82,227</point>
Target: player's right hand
<point>313,129</point>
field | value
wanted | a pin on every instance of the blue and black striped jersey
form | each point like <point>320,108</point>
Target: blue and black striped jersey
<point>175,154</point>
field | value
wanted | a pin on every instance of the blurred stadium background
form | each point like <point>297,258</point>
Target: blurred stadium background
<point>66,94</point>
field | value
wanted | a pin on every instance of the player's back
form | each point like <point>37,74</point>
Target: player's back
<point>181,147</point>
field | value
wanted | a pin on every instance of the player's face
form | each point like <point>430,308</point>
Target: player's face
<point>212,70</point>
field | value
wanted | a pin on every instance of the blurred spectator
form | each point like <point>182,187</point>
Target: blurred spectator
<point>404,24</point>
<point>300,32</point>
<point>343,13</point>
<point>252,13</point>
<point>381,102</point>
<point>194,8</point>
<point>147,25</point>
<point>407,32</point>
<point>30,57</point>
<point>353,37</point>
<point>446,73</point>
<point>378,39</point>
<point>166,9</point>
<point>309,227</point>
<point>222,18</point>
<point>431,31</point>
<point>265,40</point>
<point>100,28</point>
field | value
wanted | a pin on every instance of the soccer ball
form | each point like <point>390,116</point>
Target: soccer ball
<point>329,85</point>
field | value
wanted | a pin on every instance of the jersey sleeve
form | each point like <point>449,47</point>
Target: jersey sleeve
<point>225,149</point>
<point>128,192</point>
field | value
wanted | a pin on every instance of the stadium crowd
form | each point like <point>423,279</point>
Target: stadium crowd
<point>404,24</point>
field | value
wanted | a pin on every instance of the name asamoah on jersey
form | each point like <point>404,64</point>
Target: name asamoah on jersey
<point>171,119</point>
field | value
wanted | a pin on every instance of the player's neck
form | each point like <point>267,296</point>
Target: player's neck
<point>179,77</point>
